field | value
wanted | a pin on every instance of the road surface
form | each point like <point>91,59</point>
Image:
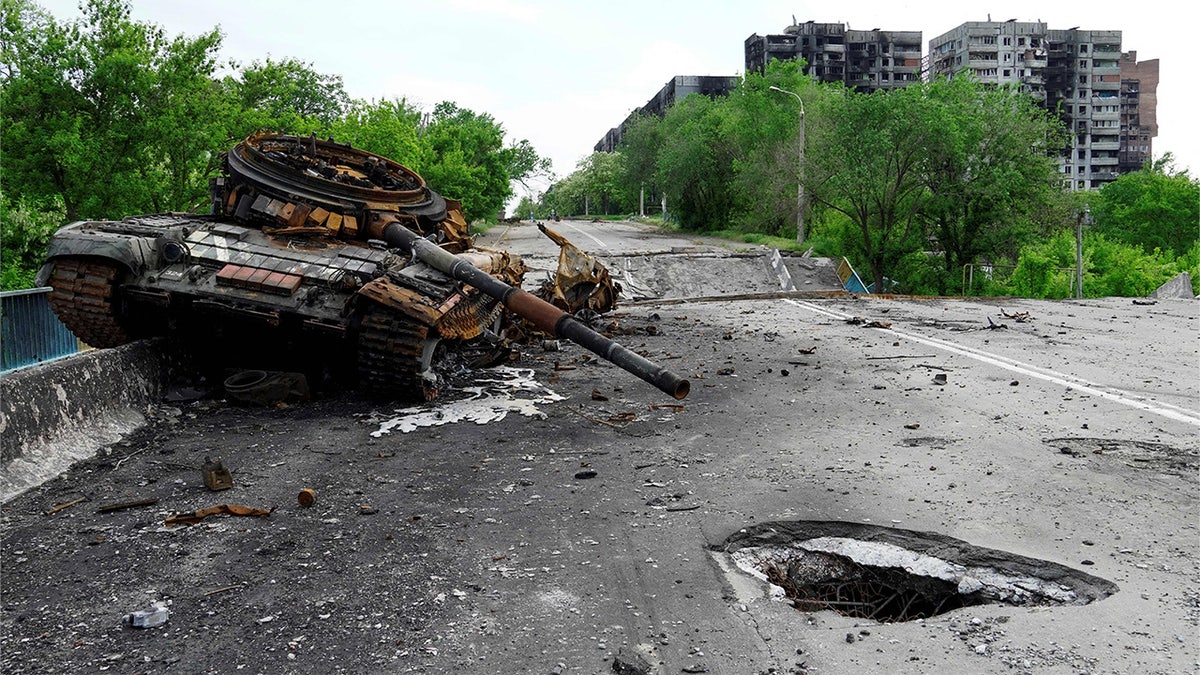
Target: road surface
<point>576,519</point>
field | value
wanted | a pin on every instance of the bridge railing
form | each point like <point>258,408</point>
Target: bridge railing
<point>30,332</point>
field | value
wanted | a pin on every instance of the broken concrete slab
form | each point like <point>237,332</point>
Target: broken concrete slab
<point>1179,287</point>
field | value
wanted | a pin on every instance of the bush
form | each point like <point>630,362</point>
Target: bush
<point>25,231</point>
<point>1111,268</point>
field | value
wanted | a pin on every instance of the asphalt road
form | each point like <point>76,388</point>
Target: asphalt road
<point>584,521</point>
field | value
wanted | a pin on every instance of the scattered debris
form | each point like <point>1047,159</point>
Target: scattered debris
<point>265,388</point>
<point>809,350</point>
<point>902,356</point>
<point>939,379</point>
<point>597,396</point>
<point>877,324</point>
<point>117,506</point>
<point>216,476</point>
<point>585,474</point>
<point>914,425</point>
<point>580,282</point>
<point>196,516</point>
<point>630,662</point>
<point>1144,302</point>
<point>65,505</point>
<point>673,407</point>
<point>1019,317</point>
<point>995,326</point>
<point>156,616</point>
<point>306,497</point>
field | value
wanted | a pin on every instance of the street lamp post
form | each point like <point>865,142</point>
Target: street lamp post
<point>799,170</point>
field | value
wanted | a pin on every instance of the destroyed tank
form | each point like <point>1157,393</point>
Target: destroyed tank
<point>314,252</point>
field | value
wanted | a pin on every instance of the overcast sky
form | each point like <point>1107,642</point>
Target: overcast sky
<point>562,73</point>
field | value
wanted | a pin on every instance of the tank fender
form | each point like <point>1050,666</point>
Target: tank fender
<point>133,253</point>
<point>401,299</point>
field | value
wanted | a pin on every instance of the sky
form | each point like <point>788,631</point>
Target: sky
<point>561,73</point>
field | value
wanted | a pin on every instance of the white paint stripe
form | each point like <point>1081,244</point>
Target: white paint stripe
<point>1119,396</point>
<point>586,234</point>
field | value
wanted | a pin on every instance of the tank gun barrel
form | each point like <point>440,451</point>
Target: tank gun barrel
<point>543,315</point>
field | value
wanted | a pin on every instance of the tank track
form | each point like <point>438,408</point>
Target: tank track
<point>396,355</point>
<point>84,299</point>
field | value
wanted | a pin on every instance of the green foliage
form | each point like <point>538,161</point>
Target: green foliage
<point>463,159</point>
<point>105,113</point>
<point>867,160</point>
<point>111,117</point>
<point>386,127</point>
<point>599,179</point>
<point>1111,268</point>
<point>24,230</point>
<point>527,206</point>
<point>1153,208</point>
<point>985,177</point>
<point>695,165</point>
<point>288,95</point>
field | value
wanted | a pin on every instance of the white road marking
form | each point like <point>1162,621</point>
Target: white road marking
<point>1117,395</point>
<point>586,234</point>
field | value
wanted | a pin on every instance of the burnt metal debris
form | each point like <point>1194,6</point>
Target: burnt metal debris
<point>323,250</point>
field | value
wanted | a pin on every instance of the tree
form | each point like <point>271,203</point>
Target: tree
<point>987,169</point>
<point>92,111</point>
<point>288,95</point>
<point>764,126</point>
<point>600,175</point>
<point>867,157</point>
<point>695,163</point>
<point>465,158</point>
<point>1155,208</point>
<point>387,127</point>
<point>640,142</point>
<point>25,232</point>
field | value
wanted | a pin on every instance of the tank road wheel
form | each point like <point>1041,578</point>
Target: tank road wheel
<point>397,356</point>
<point>84,298</point>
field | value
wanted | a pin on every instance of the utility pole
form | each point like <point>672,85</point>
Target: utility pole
<point>799,169</point>
<point>1084,218</point>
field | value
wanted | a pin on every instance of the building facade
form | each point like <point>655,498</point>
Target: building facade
<point>1077,73</point>
<point>867,60</point>
<point>1139,103</point>
<point>678,88</point>
<point>1106,98</point>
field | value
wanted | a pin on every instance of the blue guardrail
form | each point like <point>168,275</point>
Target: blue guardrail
<point>30,333</point>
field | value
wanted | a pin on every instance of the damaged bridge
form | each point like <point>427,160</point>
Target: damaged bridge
<point>853,484</point>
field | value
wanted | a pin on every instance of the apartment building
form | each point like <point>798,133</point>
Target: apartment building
<point>1106,98</point>
<point>677,88</point>
<point>1139,105</point>
<point>1077,73</point>
<point>867,60</point>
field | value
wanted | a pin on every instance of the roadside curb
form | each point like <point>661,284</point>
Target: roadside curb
<point>56,413</point>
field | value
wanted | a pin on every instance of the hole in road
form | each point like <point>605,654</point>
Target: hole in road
<point>891,575</point>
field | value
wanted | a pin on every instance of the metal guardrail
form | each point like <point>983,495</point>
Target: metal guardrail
<point>850,279</point>
<point>30,333</point>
